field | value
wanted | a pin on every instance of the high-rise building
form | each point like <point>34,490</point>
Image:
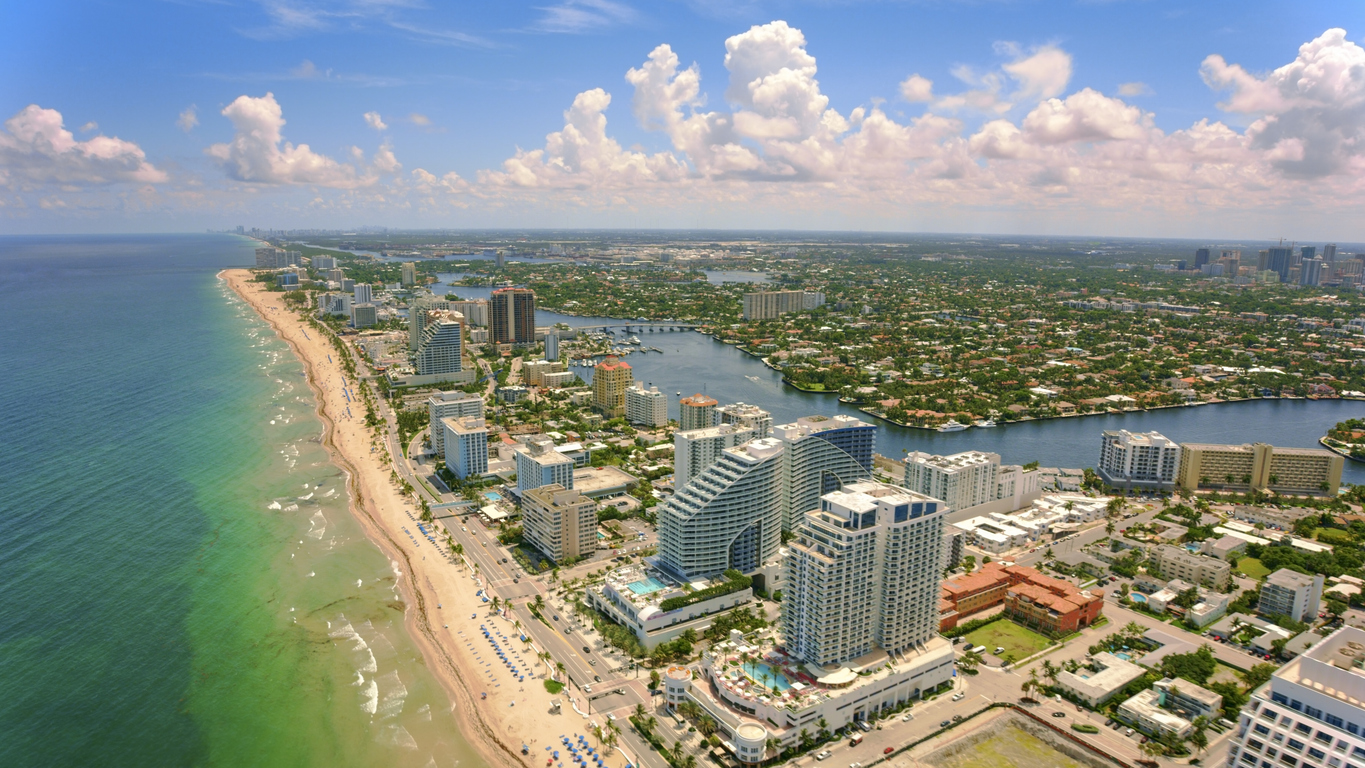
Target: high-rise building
<point>1138,459</point>
<point>729,516</point>
<point>499,259</point>
<point>552,346</point>
<point>862,574</point>
<point>757,419</point>
<point>766,305</point>
<point>1311,271</point>
<point>409,274</point>
<point>1307,253</point>
<point>475,311</point>
<point>1329,253</point>
<point>823,453</point>
<point>512,316</point>
<point>559,522</point>
<point>1201,257</point>
<point>336,275</point>
<point>364,315</point>
<point>323,262</point>
<point>610,379</point>
<point>417,316</point>
<point>271,257</point>
<point>441,347</point>
<point>448,405</point>
<point>697,449</point>
<point>538,463</point>
<point>1293,594</point>
<point>1259,466</point>
<point>1280,259</point>
<point>646,407</point>
<point>465,445</point>
<point>1311,712</point>
<point>962,480</point>
<point>696,412</point>
<point>363,294</point>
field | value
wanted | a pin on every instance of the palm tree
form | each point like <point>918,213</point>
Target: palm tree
<point>773,744</point>
<point>823,725</point>
<point>1198,738</point>
<point>677,750</point>
<point>706,725</point>
<point>559,667</point>
<point>1050,670</point>
<point>690,761</point>
<point>640,711</point>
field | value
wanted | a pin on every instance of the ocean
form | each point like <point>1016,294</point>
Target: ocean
<point>181,582</point>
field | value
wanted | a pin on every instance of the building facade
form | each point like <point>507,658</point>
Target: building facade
<point>751,416</point>
<point>512,316</point>
<point>1180,563</point>
<point>610,380</point>
<point>697,449</point>
<point>363,293</point>
<point>559,522</point>
<point>823,453</point>
<point>408,272</point>
<point>1138,460</point>
<point>445,405</point>
<point>441,348</point>
<point>552,346</point>
<point>1293,594</point>
<point>539,464</point>
<point>1259,466</point>
<point>465,445</point>
<point>646,407</point>
<point>963,480</point>
<point>766,305</point>
<point>696,412</point>
<point>863,573</point>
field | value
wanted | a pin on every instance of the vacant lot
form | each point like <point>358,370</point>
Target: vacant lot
<point>1252,568</point>
<point>1018,642</point>
<point>1006,746</point>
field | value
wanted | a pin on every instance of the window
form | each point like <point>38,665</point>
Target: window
<point>1324,737</point>
<point>1334,720</point>
<point>1313,712</point>
<point>1303,728</point>
<point>1261,729</point>
<point>1279,698</point>
<point>1296,745</point>
<point>1296,705</point>
<point>1316,753</point>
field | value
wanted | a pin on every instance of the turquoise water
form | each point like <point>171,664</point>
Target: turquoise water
<point>1137,597</point>
<point>181,582</point>
<point>765,675</point>
<point>648,586</point>
<point>492,496</point>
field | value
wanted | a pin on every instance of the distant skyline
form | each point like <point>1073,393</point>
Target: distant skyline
<point>1241,121</point>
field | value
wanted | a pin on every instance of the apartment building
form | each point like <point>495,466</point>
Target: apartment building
<point>533,372</point>
<point>560,522</point>
<point>610,379</point>
<point>697,449</point>
<point>696,412</point>
<point>646,407</point>
<point>1311,713</point>
<point>766,305</point>
<point>1050,606</point>
<point>1259,466</point>
<point>512,316</point>
<point>539,464</point>
<point>751,416</point>
<point>444,405</point>
<point>465,445</point>
<point>823,452</point>
<point>728,516</point>
<point>408,274</point>
<point>1180,563</point>
<point>861,573</point>
<point>1293,594</point>
<point>441,347</point>
<point>970,481</point>
<point>1138,459</point>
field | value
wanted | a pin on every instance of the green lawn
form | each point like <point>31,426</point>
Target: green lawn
<point>1252,568</point>
<point>1017,641</point>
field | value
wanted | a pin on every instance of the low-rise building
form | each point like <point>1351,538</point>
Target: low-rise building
<point>1169,706</point>
<point>1290,593</point>
<point>1224,547</point>
<point>992,535</point>
<point>1050,606</point>
<point>1269,517</point>
<point>1105,677</point>
<point>1179,563</point>
<point>640,598</point>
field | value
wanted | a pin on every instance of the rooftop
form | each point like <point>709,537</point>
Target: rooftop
<point>599,481</point>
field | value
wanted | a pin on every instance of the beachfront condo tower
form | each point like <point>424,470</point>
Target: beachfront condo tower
<point>863,574</point>
<point>697,449</point>
<point>441,349</point>
<point>447,405</point>
<point>696,412</point>
<point>561,523</point>
<point>538,464</point>
<point>823,453</point>
<point>465,445</point>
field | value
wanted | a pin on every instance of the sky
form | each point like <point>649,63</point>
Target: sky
<point>1149,118</point>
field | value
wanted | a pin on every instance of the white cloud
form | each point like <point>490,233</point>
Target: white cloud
<point>188,119</point>
<point>1043,74</point>
<point>1086,115</point>
<point>1134,89</point>
<point>307,70</point>
<point>35,149</point>
<point>916,89</point>
<point>90,126</point>
<point>1312,110</point>
<point>417,118</point>
<point>577,16</point>
<point>376,122</point>
<point>259,154</point>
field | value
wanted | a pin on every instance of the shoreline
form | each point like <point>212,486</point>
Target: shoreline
<point>384,514</point>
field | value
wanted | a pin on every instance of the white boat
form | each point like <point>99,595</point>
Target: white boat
<point>752,378</point>
<point>952,426</point>
<point>984,423</point>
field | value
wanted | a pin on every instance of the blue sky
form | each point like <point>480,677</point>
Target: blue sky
<point>1040,117</point>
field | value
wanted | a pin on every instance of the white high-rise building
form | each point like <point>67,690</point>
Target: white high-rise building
<point>441,348</point>
<point>475,311</point>
<point>728,516</point>
<point>363,294</point>
<point>409,274</point>
<point>538,463</point>
<point>552,346</point>
<point>697,449</point>
<point>1138,459</point>
<point>465,445</point>
<point>646,407</point>
<point>1311,713</point>
<point>1293,594</point>
<point>446,405</point>
<point>863,574</point>
<point>962,480</point>
<point>561,523</point>
<point>418,309</point>
<point>757,419</point>
<point>823,453</point>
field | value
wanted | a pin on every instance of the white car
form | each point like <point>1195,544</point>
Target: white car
<point>959,696</point>
<point>823,755</point>
<point>908,717</point>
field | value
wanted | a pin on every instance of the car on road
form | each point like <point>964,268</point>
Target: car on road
<point>957,718</point>
<point>823,755</point>
<point>592,662</point>
<point>855,765</point>
<point>611,716</point>
<point>556,618</point>
<point>945,723</point>
<point>587,689</point>
<point>515,580</point>
<point>586,649</point>
<point>597,678</point>
<point>1059,714</point>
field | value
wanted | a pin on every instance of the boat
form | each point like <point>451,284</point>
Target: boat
<point>984,423</point>
<point>952,426</point>
<point>752,378</point>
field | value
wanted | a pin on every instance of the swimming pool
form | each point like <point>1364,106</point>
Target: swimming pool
<point>766,675</point>
<point>492,495</point>
<point>1137,597</point>
<point>1124,656</point>
<point>647,586</point>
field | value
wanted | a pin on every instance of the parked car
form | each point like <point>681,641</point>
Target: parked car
<point>945,723</point>
<point>888,750</point>
<point>907,718</point>
<point>864,726</point>
<point>959,696</point>
<point>1128,732</point>
<point>823,755</point>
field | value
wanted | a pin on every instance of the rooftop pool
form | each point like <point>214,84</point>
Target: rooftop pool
<point>646,586</point>
<point>765,675</point>
<point>492,495</point>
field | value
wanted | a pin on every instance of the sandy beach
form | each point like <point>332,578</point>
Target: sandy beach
<point>439,592</point>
